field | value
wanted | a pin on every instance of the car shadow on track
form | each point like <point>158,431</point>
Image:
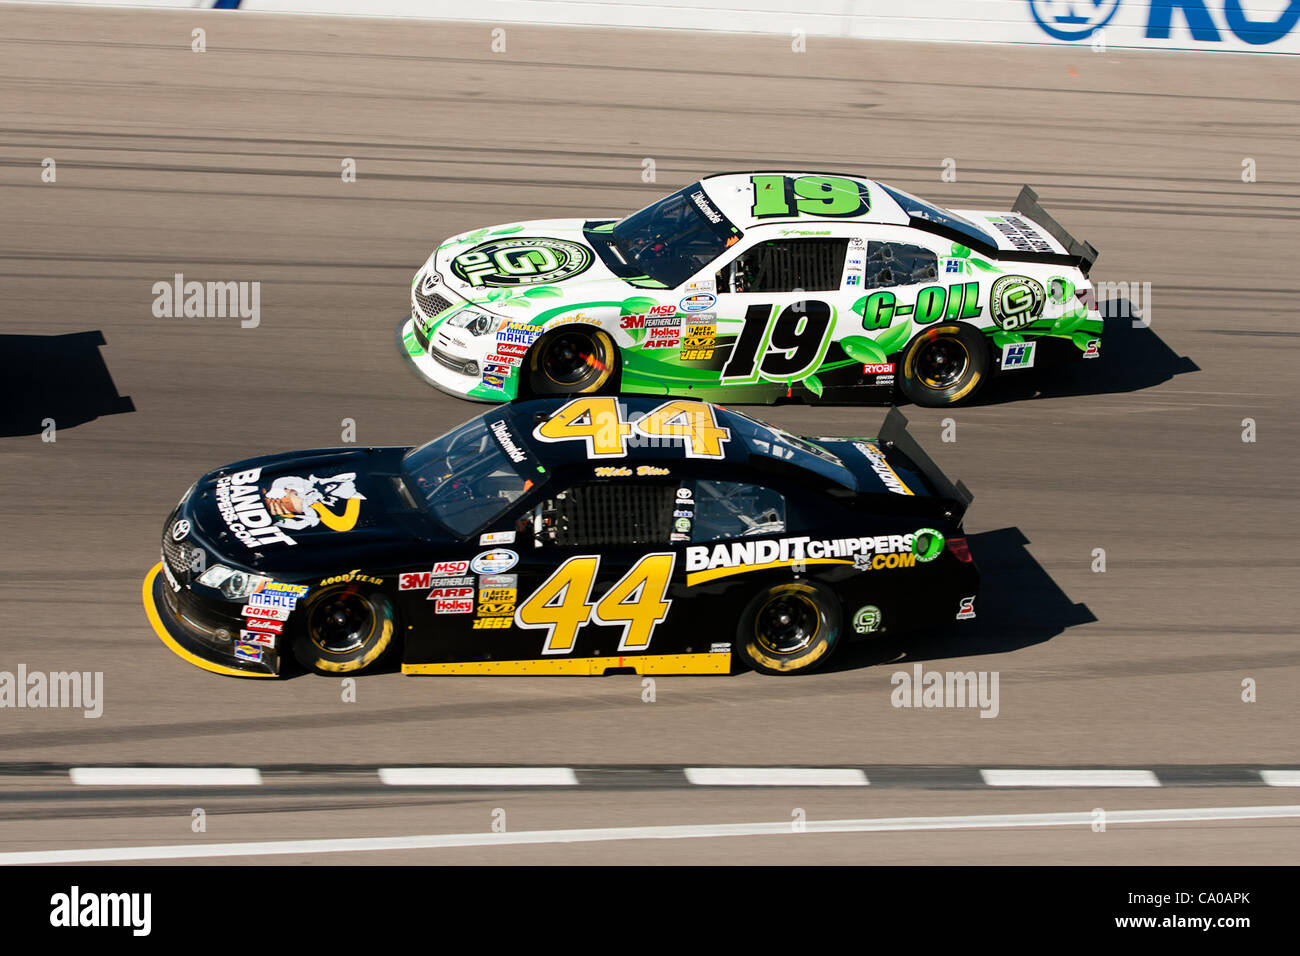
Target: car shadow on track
<point>59,379</point>
<point>1132,358</point>
<point>1019,605</point>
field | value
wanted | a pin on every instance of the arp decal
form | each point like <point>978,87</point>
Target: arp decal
<point>521,261</point>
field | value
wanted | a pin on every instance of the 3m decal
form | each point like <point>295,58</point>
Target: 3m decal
<point>562,605</point>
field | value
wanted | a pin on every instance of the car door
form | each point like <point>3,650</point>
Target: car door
<point>778,301</point>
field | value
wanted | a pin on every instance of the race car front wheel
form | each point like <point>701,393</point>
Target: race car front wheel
<point>574,360</point>
<point>789,629</point>
<point>343,630</point>
<point>945,365</point>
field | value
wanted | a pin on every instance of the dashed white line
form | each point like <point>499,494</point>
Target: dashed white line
<point>775,777</point>
<point>478,777</point>
<point>1281,778</point>
<point>1070,778</point>
<point>595,835</point>
<point>165,776</point>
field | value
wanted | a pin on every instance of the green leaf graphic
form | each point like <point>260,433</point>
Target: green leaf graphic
<point>637,304</point>
<point>814,385</point>
<point>1002,339</point>
<point>895,337</point>
<point>864,350</point>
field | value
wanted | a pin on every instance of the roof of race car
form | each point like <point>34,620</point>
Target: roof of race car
<point>745,437</point>
<point>733,194</point>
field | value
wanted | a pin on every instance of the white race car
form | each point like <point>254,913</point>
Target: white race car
<point>749,287</point>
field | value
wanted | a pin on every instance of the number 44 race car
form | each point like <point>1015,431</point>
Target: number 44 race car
<point>565,536</point>
<point>749,287</point>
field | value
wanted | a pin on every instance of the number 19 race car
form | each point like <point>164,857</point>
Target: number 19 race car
<point>749,287</point>
<point>565,536</point>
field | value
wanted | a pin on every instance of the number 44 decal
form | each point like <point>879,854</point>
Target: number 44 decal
<point>563,605</point>
<point>599,423</point>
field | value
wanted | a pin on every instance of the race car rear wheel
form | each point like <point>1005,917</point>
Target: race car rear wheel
<point>344,630</point>
<point>572,360</point>
<point>789,629</point>
<point>945,365</point>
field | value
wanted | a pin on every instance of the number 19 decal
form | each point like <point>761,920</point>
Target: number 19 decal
<point>780,346</point>
<point>562,605</point>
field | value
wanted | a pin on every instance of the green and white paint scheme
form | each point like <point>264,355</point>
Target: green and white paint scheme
<point>1003,274</point>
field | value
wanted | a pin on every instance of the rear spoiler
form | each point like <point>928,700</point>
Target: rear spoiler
<point>894,436</point>
<point>1027,205</point>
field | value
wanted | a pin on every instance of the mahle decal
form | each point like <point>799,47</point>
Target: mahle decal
<point>521,261</point>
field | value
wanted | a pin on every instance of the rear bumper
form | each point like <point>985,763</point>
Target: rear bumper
<point>194,643</point>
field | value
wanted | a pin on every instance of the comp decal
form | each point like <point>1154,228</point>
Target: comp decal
<point>521,261</point>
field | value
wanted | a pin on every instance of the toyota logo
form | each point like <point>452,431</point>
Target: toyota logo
<point>180,529</point>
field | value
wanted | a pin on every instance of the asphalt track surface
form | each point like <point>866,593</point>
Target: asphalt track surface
<point>226,166</point>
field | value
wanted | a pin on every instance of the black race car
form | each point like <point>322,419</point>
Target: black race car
<point>565,536</point>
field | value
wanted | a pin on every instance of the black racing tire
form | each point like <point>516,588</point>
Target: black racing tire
<point>344,629</point>
<point>790,628</point>
<point>573,360</point>
<point>945,365</point>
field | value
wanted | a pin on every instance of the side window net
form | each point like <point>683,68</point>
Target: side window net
<point>606,513</point>
<point>783,265</point>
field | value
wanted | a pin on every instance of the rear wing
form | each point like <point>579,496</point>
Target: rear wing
<point>895,438</point>
<point>1028,206</point>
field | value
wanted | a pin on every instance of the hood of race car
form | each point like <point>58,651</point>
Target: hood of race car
<point>300,512</point>
<point>521,268</point>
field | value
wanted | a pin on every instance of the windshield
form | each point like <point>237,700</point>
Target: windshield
<point>922,210</point>
<point>465,477</point>
<point>676,237</point>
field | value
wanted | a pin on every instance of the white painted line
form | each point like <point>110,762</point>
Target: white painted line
<point>166,776</point>
<point>478,776</point>
<point>683,832</point>
<point>775,777</point>
<point>1281,778</point>
<point>1070,778</point>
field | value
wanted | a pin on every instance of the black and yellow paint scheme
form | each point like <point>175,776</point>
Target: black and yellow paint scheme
<point>577,536</point>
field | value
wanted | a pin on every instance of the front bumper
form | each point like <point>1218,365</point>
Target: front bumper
<point>443,377</point>
<point>192,641</point>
